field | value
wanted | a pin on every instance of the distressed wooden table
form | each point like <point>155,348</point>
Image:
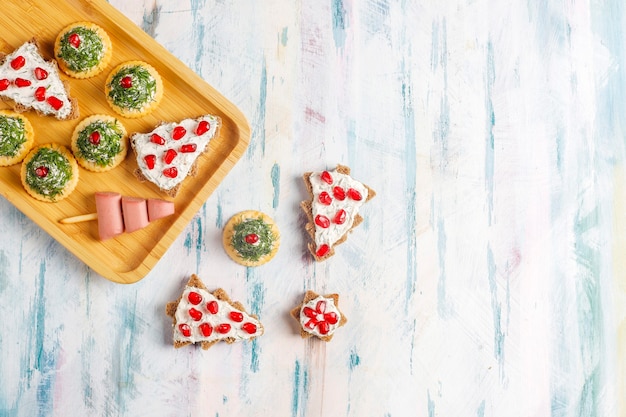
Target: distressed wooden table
<point>488,278</point>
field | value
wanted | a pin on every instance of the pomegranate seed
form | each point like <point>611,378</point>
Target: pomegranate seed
<point>18,62</point>
<point>326,177</point>
<point>249,328</point>
<point>40,73</point>
<point>150,161</point>
<point>21,82</point>
<point>310,324</point>
<point>206,329</point>
<point>41,171</point>
<point>54,102</point>
<point>323,327</point>
<point>325,198</point>
<point>331,317</point>
<point>169,156</point>
<point>236,316</point>
<point>126,82</point>
<point>339,193</point>
<point>178,132</point>
<point>320,307</point>
<point>309,312</point>
<point>322,221</point>
<point>252,238</point>
<point>213,307</point>
<point>154,138</point>
<point>74,40</point>
<point>203,127</point>
<point>322,251</point>
<point>185,329</point>
<point>190,147</point>
<point>194,298</point>
<point>223,328</point>
<point>170,172</point>
<point>40,93</point>
<point>195,314</point>
<point>354,194</point>
<point>4,84</point>
<point>340,217</point>
<point>94,138</point>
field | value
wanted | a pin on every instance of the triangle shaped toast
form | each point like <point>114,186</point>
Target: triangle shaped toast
<point>332,210</point>
<point>28,82</point>
<point>204,317</point>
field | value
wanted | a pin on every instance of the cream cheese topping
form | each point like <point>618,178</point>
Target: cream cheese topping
<point>326,314</point>
<point>26,95</point>
<point>238,330</point>
<point>183,161</point>
<point>334,231</point>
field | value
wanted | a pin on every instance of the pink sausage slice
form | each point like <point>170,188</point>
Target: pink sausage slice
<point>110,221</point>
<point>135,213</point>
<point>157,209</point>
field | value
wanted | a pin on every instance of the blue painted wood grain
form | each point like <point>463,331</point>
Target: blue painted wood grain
<point>486,278</point>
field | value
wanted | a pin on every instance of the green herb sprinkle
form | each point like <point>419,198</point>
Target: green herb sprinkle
<point>142,91</point>
<point>263,247</point>
<point>59,172</point>
<point>87,55</point>
<point>12,135</point>
<point>104,153</point>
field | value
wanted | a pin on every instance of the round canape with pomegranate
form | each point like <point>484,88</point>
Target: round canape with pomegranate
<point>251,238</point>
<point>49,173</point>
<point>83,50</point>
<point>99,143</point>
<point>134,89</point>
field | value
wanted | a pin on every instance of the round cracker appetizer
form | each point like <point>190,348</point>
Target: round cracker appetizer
<point>49,173</point>
<point>16,137</point>
<point>83,50</point>
<point>134,89</point>
<point>251,238</point>
<point>99,143</point>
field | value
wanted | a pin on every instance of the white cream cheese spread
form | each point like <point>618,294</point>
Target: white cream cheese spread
<point>201,317</point>
<point>32,82</point>
<point>166,154</point>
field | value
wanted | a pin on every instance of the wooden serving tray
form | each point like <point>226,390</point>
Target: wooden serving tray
<point>129,257</point>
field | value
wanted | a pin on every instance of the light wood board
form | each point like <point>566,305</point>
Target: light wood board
<point>129,257</point>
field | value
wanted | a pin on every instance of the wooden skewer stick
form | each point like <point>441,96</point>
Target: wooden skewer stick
<point>81,218</point>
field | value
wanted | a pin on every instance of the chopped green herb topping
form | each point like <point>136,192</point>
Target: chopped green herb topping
<point>12,135</point>
<point>87,55</point>
<point>59,172</point>
<point>253,252</point>
<point>141,92</point>
<point>110,143</point>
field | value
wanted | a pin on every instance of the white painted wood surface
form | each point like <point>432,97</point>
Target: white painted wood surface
<point>488,278</point>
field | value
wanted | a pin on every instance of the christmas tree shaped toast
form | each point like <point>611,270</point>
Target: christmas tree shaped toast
<point>333,210</point>
<point>28,81</point>
<point>200,316</point>
<point>169,153</point>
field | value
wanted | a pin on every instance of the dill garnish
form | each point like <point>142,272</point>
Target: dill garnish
<point>109,146</point>
<point>59,172</point>
<point>11,135</point>
<point>87,55</point>
<point>141,92</point>
<point>264,245</point>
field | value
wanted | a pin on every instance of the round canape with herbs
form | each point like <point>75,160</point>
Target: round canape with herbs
<point>83,50</point>
<point>49,173</point>
<point>134,89</point>
<point>99,143</point>
<point>251,238</point>
<point>16,137</point>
